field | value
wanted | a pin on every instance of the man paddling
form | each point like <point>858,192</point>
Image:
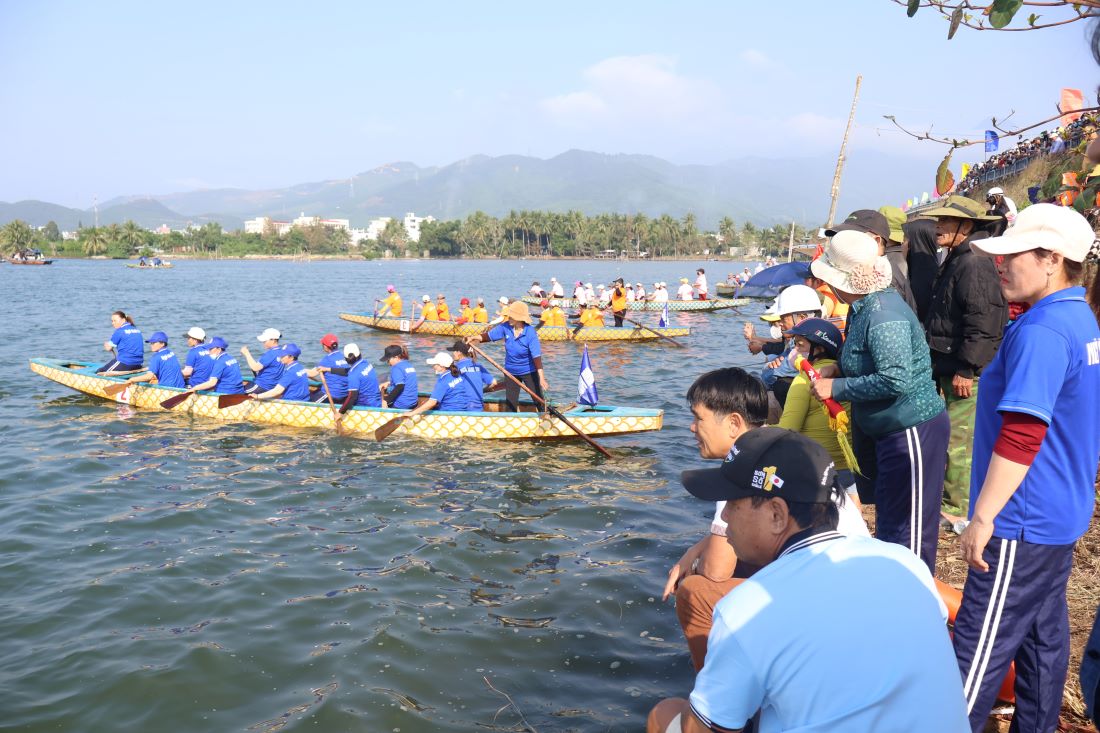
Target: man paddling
<point>198,363</point>
<point>163,365</point>
<point>225,374</point>
<point>293,383</point>
<point>268,369</point>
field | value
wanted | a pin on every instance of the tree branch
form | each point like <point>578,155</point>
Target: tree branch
<point>955,144</point>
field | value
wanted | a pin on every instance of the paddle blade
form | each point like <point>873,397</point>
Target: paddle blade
<point>387,429</point>
<point>171,402</point>
<point>113,389</point>
<point>229,400</point>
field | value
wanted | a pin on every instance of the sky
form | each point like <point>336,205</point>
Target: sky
<point>110,98</point>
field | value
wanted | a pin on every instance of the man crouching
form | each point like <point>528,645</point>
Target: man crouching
<point>780,655</point>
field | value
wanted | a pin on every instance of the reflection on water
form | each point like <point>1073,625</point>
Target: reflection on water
<point>165,572</point>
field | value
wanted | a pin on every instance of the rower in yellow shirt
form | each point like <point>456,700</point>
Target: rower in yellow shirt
<point>480,314</point>
<point>552,315</point>
<point>391,306</point>
<point>592,315</point>
<point>467,315</point>
<point>427,312</point>
<point>442,312</point>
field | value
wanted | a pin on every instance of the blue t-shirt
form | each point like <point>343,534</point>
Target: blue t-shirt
<point>364,379</point>
<point>271,369</point>
<point>295,382</point>
<point>519,351</point>
<point>227,371</point>
<point>1048,366</point>
<point>129,346</point>
<point>200,361</point>
<point>166,368</point>
<point>451,392</point>
<point>404,373</point>
<point>337,383</point>
<point>477,379</point>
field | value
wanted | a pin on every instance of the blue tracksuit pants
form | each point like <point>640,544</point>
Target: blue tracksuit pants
<point>909,486</point>
<point>1016,611</point>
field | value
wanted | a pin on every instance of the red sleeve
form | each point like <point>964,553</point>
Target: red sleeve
<point>1020,437</point>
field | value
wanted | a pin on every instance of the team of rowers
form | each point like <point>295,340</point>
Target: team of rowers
<point>346,378</point>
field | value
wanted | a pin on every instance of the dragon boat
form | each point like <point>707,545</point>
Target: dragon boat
<point>546,333</point>
<point>652,305</point>
<point>165,266</point>
<point>361,422</point>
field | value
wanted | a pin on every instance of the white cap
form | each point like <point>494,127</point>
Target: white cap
<point>480,300</point>
<point>196,333</point>
<point>426,298</point>
<point>996,191</point>
<point>553,279</point>
<point>1047,226</point>
<point>664,285</point>
<point>351,350</point>
<point>503,300</point>
<point>269,334</point>
<point>588,285</point>
<point>442,359</point>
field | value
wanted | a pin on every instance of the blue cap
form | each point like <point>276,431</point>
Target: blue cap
<point>218,343</point>
<point>158,337</point>
<point>291,350</point>
<point>818,331</point>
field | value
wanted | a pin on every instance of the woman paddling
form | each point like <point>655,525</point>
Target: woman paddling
<point>477,376</point>
<point>522,353</point>
<point>451,392</point>
<point>127,344</point>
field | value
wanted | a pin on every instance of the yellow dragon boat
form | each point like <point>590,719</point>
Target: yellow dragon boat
<point>361,422</point>
<point>546,333</point>
<point>679,306</point>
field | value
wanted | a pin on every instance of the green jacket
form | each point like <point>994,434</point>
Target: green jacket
<point>886,366</point>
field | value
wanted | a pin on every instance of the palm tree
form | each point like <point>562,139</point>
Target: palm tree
<point>132,236</point>
<point>16,235</point>
<point>95,241</point>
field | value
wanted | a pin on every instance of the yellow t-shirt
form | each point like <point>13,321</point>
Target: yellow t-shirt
<point>393,300</point>
<point>480,315</point>
<point>468,314</point>
<point>591,317</point>
<point>428,312</point>
<point>553,317</point>
<point>443,312</point>
<point>803,414</point>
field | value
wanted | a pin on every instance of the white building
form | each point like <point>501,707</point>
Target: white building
<point>412,225</point>
<point>375,227</point>
<point>261,223</point>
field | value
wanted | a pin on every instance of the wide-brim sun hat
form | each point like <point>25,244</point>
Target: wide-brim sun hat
<point>960,207</point>
<point>518,311</point>
<point>851,263</point>
<point>1044,226</point>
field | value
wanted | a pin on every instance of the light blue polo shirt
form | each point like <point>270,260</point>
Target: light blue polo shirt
<point>519,351</point>
<point>404,373</point>
<point>129,345</point>
<point>200,361</point>
<point>166,368</point>
<point>1048,366</point>
<point>781,644</point>
<point>363,379</point>
<point>272,369</point>
<point>295,382</point>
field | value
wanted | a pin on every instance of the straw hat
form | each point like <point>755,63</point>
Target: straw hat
<point>851,263</point>
<point>518,311</point>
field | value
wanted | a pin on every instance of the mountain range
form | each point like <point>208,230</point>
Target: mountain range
<point>765,191</point>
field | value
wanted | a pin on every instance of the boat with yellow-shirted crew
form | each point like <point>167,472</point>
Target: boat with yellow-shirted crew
<point>453,329</point>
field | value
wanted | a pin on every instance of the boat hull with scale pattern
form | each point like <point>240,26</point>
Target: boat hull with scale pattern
<point>361,422</point>
<point>546,333</point>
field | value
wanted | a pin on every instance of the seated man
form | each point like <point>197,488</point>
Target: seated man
<point>779,656</point>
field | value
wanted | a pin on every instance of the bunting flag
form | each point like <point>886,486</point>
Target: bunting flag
<point>1072,100</point>
<point>663,323</point>
<point>992,141</point>
<point>924,198</point>
<point>965,169</point>
<point>586,386</point>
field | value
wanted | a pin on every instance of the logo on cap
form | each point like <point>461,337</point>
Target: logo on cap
<point>766,479</point>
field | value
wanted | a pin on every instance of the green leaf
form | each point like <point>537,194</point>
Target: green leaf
<point>945,180</point>
<point>956,19</point>
<point>1002,11</point>
<point>911,10</point>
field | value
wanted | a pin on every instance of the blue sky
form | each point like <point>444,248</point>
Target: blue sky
<point>114,98</point>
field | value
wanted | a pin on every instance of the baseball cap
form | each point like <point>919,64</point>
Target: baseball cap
<point>329,340</point>
<point>440,296</point>
<point>1047,226</point>
<point>464,301</point>
<point>461,347</point>
<point>291,350</point>
<point>391,351</point>
<point>391,289</point>
<point>159,337</point>
<point>218,343</point>
<point>768,462</point>
<point>351,350</point>
<point>442,359</point>
<point>196,333</point>
<point>426,298</point>
<point>771,313</point>
<point>818,331</point>
<point>996,191</point>
<point>502,300</point>
<point>544,303</point>
<point>863,220</point>
<point>268,334</point>
<point>480,300</point>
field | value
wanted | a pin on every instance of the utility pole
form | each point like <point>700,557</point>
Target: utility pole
<point>835,193</point>
<point>790,244</point>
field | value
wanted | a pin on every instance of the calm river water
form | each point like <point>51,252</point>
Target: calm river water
<point>164,573</point>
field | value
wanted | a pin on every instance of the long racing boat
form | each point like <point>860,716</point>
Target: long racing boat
<point>653,305</point>
<point>361,422</point>
<point>546,333</point>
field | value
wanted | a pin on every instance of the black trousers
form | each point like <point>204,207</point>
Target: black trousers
<point>512,390</point>
<point>618,318</point>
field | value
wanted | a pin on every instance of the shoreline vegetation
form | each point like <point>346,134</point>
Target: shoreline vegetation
<point>520,235</point>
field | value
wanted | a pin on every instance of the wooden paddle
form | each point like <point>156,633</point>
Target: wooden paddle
<point>539,400</point>
<point>113,389</point>
<point>335,412</point>
<point>387,429</point>
<point>229,400</point>
<point>648,328</point>
<point>171,402</point>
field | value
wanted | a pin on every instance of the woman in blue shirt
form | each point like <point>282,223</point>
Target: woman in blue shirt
<point>127,344</point>
<point>294,382</point>
<point>362,381</point>
<point>1032,480</point>
<point>163,364</point>
<point>225,374</point>
<point>450,392</point>
<point>477,377</point>
<point>400,390</point>
<point>522,352</point>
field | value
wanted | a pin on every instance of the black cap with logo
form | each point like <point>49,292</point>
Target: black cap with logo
<point>768,462</point>
<point>863,220</point>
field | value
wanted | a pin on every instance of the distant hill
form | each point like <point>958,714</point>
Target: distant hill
<point>761,190</point>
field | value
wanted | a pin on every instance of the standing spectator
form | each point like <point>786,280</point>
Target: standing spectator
<point>1001,205</point>
<point>701,284</point>
<point>964,323</point>
<point>922,256</point>
<point>887,377</point>
<point>876,225</point>
<point>894,249</point>
<point>1036,445</point>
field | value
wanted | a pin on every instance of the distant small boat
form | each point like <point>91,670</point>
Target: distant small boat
<point>29,257</point>
<point>30,262</point>
<point>162,266</point>
<point>726,290</point>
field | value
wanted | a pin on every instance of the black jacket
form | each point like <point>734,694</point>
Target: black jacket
<point>924,264</point>
<point>966,315</point>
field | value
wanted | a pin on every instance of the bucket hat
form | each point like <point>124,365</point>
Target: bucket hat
<point>960,207</point>
<point>851,263</point>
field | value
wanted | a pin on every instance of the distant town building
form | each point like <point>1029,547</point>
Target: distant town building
<point>261,224</point>
<point>162,229</point>
<point>376,226</point>
<point>412,225</point>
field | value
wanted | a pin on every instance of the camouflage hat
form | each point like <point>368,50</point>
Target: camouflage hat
<point>895,217</point>
<point>960,207</point>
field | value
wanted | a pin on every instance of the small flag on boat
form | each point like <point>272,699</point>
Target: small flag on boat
<point>663,323</point>
<point>586,386</point>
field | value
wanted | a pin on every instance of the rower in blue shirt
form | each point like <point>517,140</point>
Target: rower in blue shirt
<point>198,363</point>
<point>451,392</point>
<point>522,353</point>
<point>163,365</point>
<point>335,366</point>
<point>294,383</point>
<point>127,344</point>
<point>400,391</point>
<point>225,374</point>
<point>268,369</point>
<point>363,388</point>
<point>477,377</point>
